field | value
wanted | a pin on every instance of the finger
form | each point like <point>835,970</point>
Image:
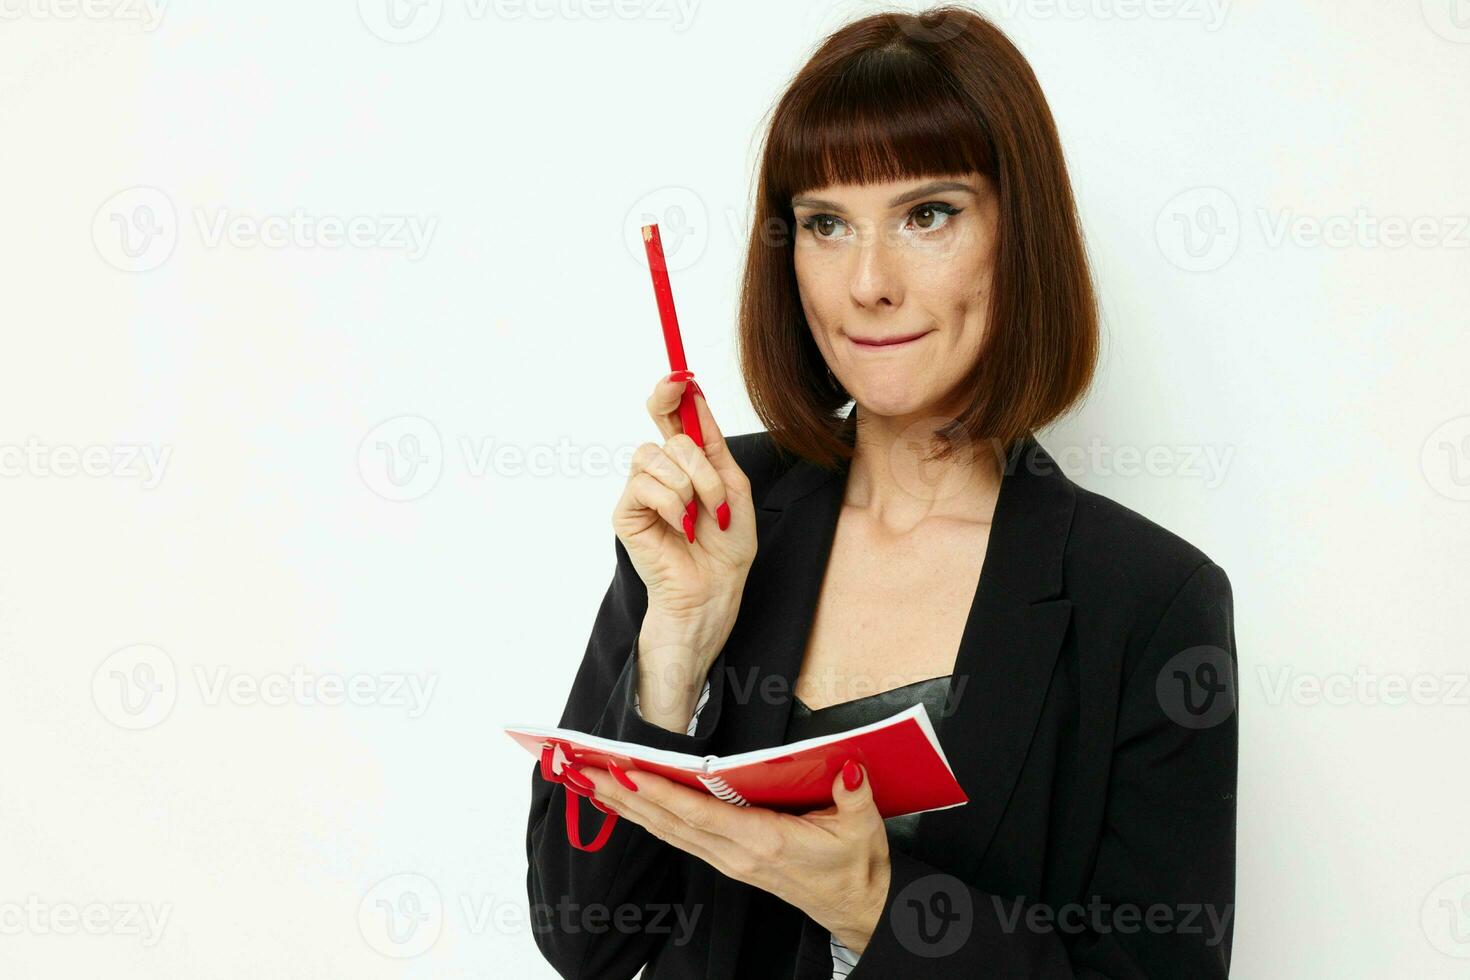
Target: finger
<point>690,847</point>
<point>663,466</point>
<point>698,810</point>
<point>645,492</point>
<point>663,404</point>
<point>705,480</point>
<point>657,819</point>
<point>659,483</point>
<point>852,794</point>
<point>716,449</point>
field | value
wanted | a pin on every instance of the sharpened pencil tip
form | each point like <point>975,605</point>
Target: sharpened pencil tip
<point>648,233</point>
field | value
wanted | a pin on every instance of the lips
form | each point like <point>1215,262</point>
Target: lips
<point>878,342</point>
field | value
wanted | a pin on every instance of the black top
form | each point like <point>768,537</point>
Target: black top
<point>1093,729</point>
<point>773,928</point>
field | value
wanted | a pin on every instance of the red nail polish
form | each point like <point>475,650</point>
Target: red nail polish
<point>852,776</point>
<point>579,781</point>
<point>722,514</point>
<point>695,386</point>
<point>622,777</point>
<point>600,806</point>
<point>681,376</point>
<point>689,526</point>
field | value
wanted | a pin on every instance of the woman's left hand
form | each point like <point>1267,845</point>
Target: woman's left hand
<point>832,864</point>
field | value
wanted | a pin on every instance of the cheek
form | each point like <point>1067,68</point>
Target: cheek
<point>814,287</point>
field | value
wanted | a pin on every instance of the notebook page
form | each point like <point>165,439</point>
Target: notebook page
<point>917,712</point>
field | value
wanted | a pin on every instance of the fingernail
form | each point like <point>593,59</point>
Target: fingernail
<point>603,808</point>
<point>722,514</point>
<point>695,385</point>
<point>681,376</point>
<point>689,525</point>
<point>622,777</point>
<point>852,775</point>
<point>579,781</point>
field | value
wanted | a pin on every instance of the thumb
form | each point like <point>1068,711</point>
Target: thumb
<point>852,792</point>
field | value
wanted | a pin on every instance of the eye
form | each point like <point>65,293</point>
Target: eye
<point>821,226</point>
<point>932,215</point>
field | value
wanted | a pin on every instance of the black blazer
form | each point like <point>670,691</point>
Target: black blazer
<point>1095,734</point>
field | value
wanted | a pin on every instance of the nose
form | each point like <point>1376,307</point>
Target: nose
<point>877,273</point>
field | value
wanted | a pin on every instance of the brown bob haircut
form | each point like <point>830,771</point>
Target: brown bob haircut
<point>899,96</point>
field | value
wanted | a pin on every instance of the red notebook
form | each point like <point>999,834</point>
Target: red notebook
<point>903,758</point>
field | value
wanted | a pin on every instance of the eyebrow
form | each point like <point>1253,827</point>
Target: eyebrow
<point>934,187</point>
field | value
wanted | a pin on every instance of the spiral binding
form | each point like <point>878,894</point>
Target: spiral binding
<point>723,790</point>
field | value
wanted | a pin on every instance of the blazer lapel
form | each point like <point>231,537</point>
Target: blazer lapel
<point>1003,667</point>
<point>1007,654</point>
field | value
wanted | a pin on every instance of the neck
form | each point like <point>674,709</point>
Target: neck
<point>895,479</point>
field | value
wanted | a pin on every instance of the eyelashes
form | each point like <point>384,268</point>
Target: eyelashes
<point>938,209</point>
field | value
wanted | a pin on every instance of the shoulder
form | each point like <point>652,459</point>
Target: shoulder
<point>1138,569</point>
<point>1105,530</point>
<point>761,460</point>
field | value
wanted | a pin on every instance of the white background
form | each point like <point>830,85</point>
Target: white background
<point>1305,404</point>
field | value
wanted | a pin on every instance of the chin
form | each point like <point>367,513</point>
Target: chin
<point>894,397</point>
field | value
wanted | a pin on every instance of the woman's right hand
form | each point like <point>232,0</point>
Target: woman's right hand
<point>694,588</point>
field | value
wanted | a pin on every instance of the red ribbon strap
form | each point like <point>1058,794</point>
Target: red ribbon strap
<point>552,770</point>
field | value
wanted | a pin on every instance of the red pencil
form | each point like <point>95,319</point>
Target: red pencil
<point>663,294</point>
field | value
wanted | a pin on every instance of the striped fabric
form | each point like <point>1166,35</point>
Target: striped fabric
<point>843,959</point>
<point>698,707</point>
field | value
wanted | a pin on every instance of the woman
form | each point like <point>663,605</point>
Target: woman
<point>915,254</point>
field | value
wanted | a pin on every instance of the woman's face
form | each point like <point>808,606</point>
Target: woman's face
<point>895,281</point>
